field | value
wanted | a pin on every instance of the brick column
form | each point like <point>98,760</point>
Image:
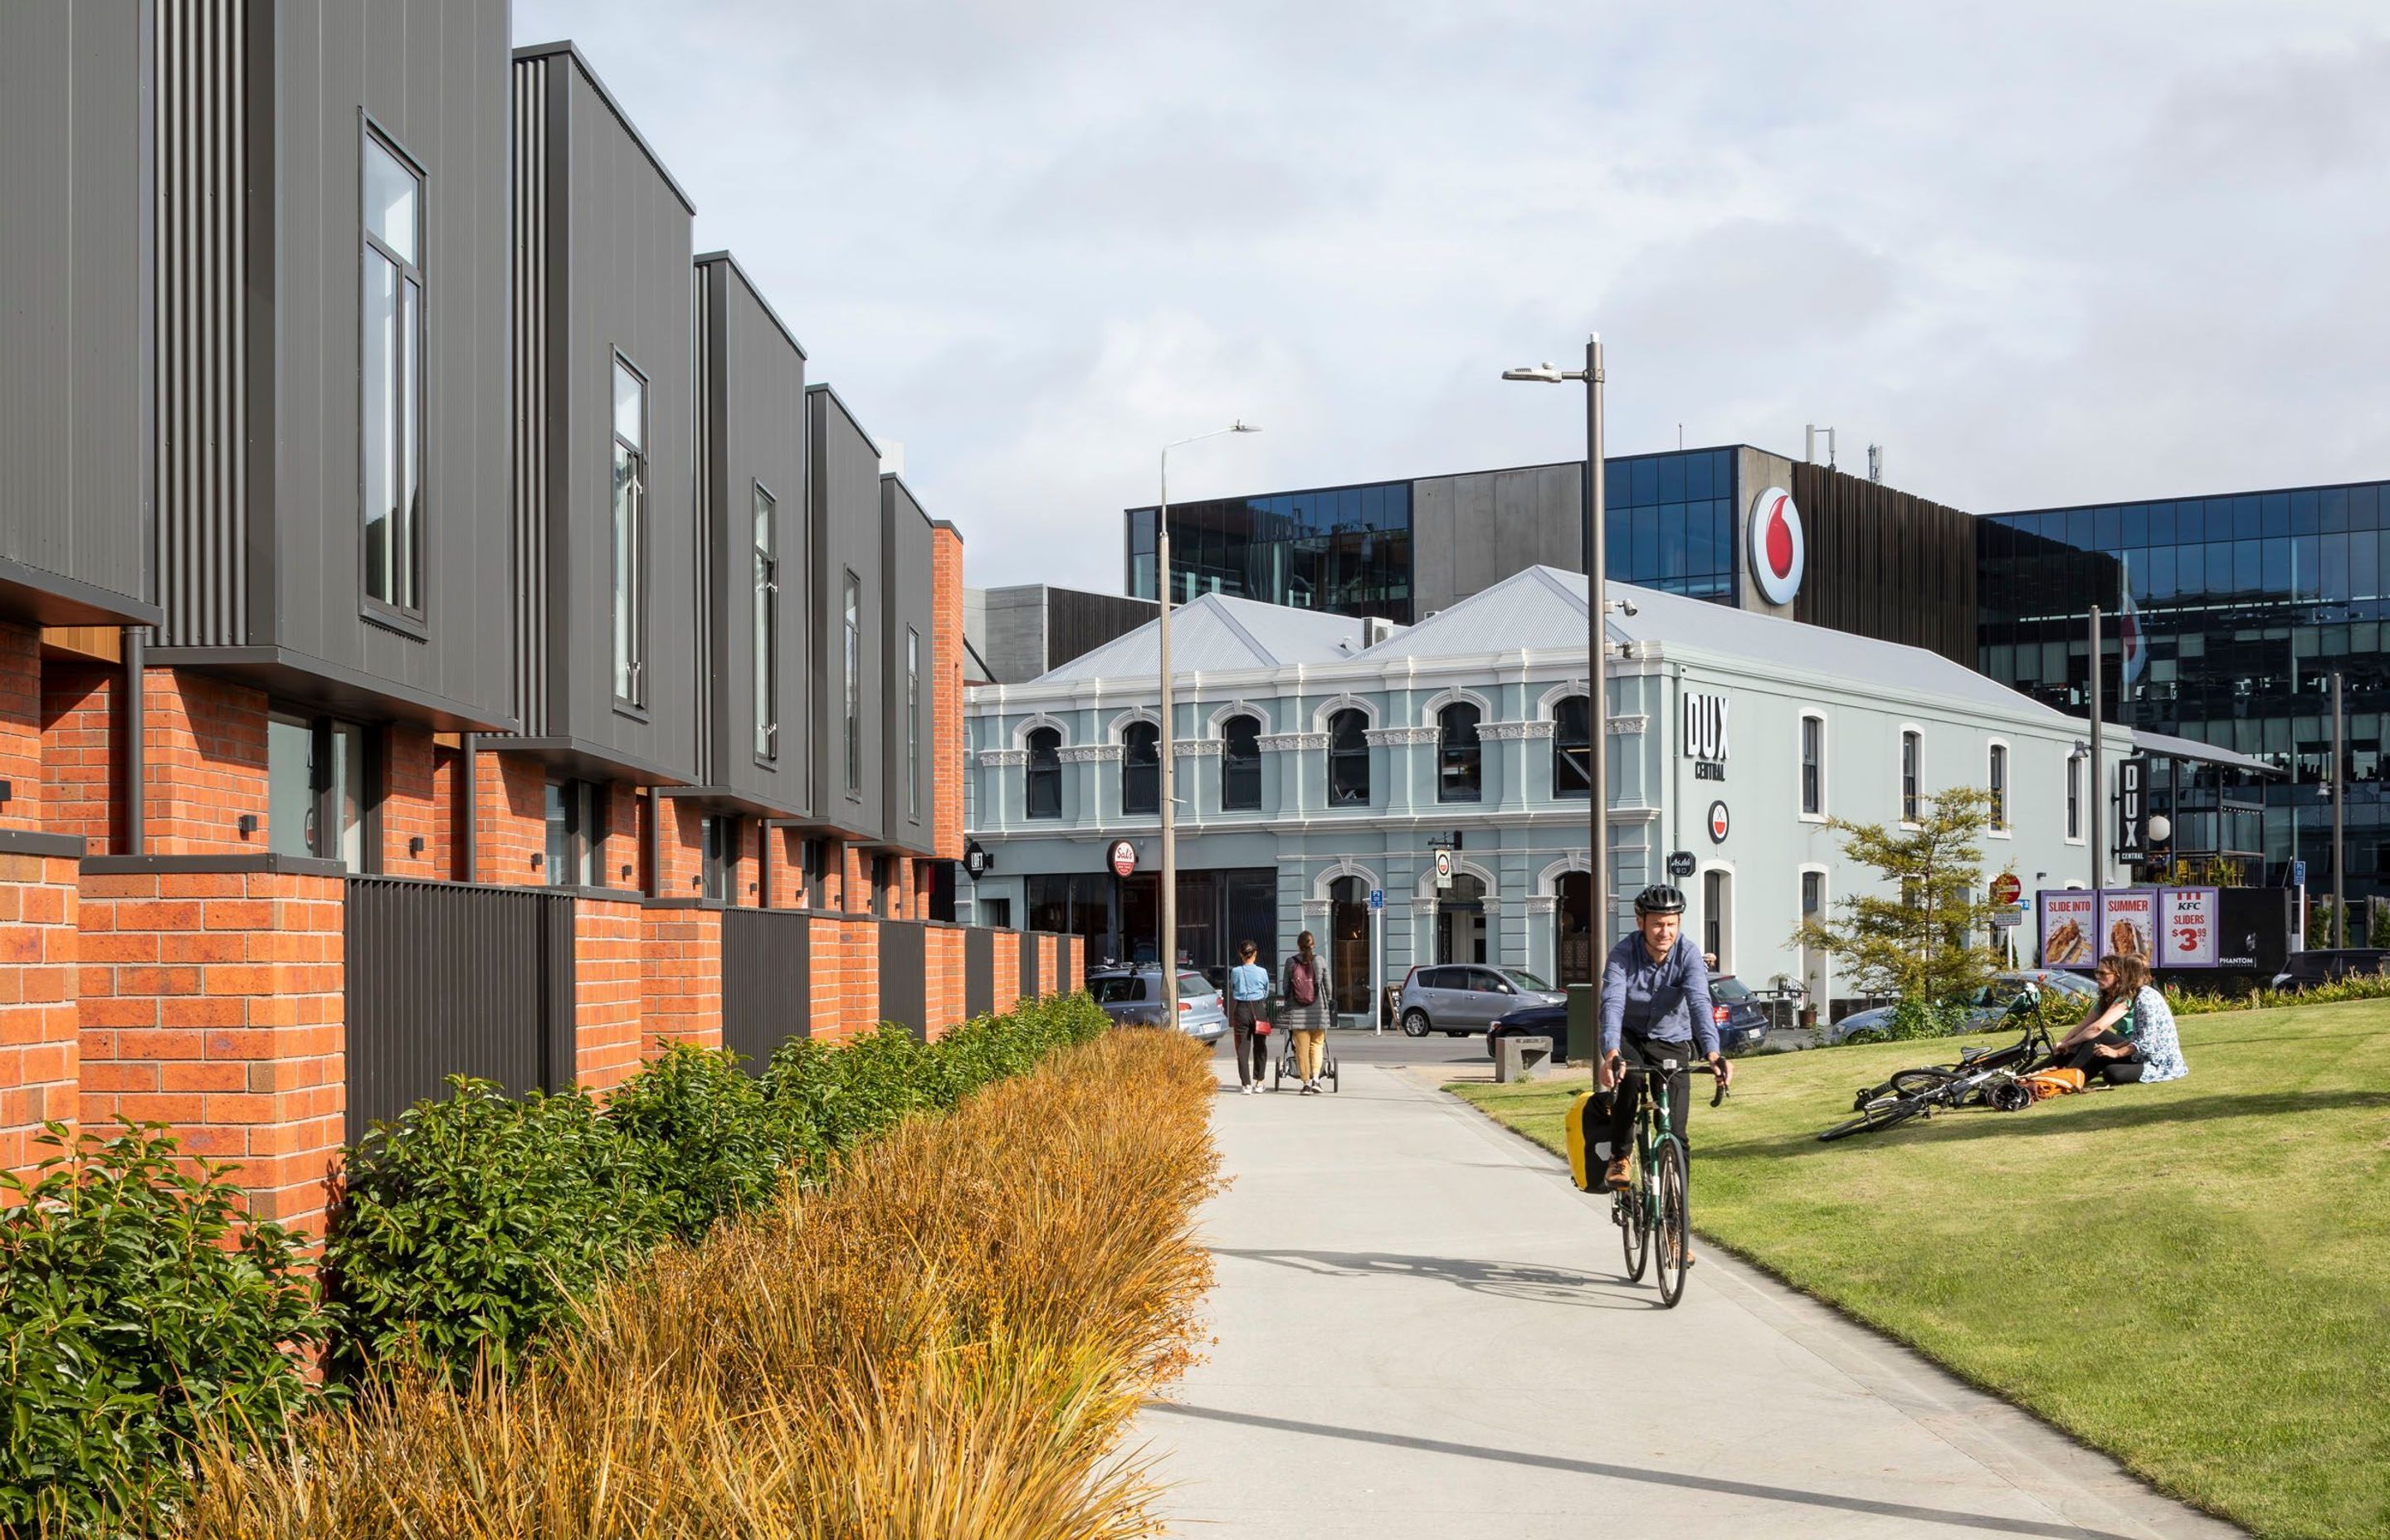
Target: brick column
<point>946,691</point>
<point>212,1002</point>
<point>826,944</point>
<point>625,850</point>
<point>862,974</point>
<point>681,850</point>
<point>411,806</point>
<point>20,726</point>
<point>944,995</point>
<point>680,958</point>
<point>203,760</point>
<point>40,1056</point>
<point>81,753</point>
<point>1008,971</point>
<point>510,819</point>
<point>609,989</point>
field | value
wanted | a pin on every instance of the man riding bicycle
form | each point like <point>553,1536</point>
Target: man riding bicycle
<point>1655,1006</point>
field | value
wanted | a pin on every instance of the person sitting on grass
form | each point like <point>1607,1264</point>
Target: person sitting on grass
<point>2128,1036</point>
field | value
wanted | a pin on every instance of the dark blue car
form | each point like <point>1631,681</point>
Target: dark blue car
<point>1742,1024</point>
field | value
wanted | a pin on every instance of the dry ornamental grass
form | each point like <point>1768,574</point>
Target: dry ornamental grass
<point>948,1341</point>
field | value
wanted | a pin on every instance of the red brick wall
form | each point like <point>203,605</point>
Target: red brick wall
<point>1008,971</point>
<point>79,753</point>
<point>509,820</point>
<point>21,726</point>
<point>39,1051</point>
<point>946,693</point>
<point>609,990</point>
<point>680,958</point>
<point>746,878</point>
<point>212,1002</point>
<point>844,977</point>
<point>683,849</point>
<point>204,747</point>
<point>624,846</point>
<point>942,993</point>
<point>411,806</point>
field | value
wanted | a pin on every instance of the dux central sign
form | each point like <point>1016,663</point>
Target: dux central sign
<point>1703,732</point>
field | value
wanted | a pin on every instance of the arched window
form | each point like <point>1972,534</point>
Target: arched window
<point>1459,756</point>
<point>1348,760</point>
<point>1573,747</point>
<point>1141,768</point>
<point>1045,774</point>
<point>1241,765</point>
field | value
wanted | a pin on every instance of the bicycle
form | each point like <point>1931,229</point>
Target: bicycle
<point>1988,1075</point>
<point>1657,1201</point>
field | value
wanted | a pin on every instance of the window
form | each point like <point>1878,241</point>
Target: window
<point>390,435</point>
<point>1240,764</point>
<point>885,899</point>
<point>576,834</point>
<point>1714,918</point>
<point>630,534</point>
<point>1460,757</point>
<point>1912,757</point>
<point>767,629</point>
<point>854,686</point>
<point>814,855</point>
<point>996,913</point>
<point>1573,747</point>
<point>1045,774</point>
<point>1813,897</point>
<point>717,838</point>
<point>2074,797</point>
<point>1998,785</point>
<point>1141,768</point>
<point>316,794</point>
<point>1813,766</point>
<point>1348,760</point>
<point>912,722</point>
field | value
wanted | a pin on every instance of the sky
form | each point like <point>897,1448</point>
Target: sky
<point>2041,253</point>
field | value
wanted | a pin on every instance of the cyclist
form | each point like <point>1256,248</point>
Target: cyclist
<point>1655,1005</point>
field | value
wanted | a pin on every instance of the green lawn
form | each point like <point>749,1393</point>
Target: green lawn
<point>2194,1277</point>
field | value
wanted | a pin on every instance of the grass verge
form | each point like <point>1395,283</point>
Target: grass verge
<point>2194,1277</point>
<point>950,1339</point>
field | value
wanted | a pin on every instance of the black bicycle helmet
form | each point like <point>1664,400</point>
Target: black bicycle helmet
<point>1659,898</point>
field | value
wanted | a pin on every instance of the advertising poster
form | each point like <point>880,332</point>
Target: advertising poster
<point>2069,923</point>
<point>2188,933</point>
<point>2128,922</point>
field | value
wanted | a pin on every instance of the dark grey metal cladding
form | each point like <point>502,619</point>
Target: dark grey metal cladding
<point>979,971</point>
<point>904,975</point>
<point>766,981</point>
<point>843,481</point>
<point>616,281</point>
<point>752,419</point>
<point>77,310</point>
<point>906,605</point>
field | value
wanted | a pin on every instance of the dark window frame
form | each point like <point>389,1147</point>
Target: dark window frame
<point>912,722</point>
<point>409,620</point>
<point>1572,777</point>
<point>1459,761</point>
<point>850,608</point>
<point>1140,780</point>
<point>765,536</point>
<point>1813,764</point>
<point>1996,779</point>
<point>1046,772</point>
<point>1356,751</point>
<point>323,838</point>
<point>636,703</point>
<point>1912,776</point>
<point>1237,768</point>
<point>583,804</point>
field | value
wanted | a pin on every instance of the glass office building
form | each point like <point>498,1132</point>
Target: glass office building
<point>2249,603</point>
<point>1669,522</point>
<point>1344,550</point>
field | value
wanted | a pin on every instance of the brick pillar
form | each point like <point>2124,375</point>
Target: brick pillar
<point>81,756</point>
<point>680,958</point>
<point>682,849</point>
<point>746,878</point>
<point>946,692</point>
<point>854,882</point>
<point>20,726</point>
<point>212,1002</point>
<point>40,1056</point>
<point>1008,971</point>
<point>609,989</point>
<point>624,851</point>
<point>862,974</point>
<point>411,806</point>
<point>944,995</point>
<point>203,752</point>
<point>509,820</point>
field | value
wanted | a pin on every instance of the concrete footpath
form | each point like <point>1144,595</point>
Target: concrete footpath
<point>1423,1330</point>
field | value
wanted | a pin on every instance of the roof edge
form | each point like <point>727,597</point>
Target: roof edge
<point>566,47</point>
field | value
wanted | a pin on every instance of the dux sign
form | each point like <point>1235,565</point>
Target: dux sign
<point>1703,732</point>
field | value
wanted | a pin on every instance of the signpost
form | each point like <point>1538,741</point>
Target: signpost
<point>1377,960</point>
<point>2005,889</point>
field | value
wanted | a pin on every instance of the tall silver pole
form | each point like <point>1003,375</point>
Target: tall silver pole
<point>2338,799</point>
<point>2098,806</point>
<point>1168,946</point>
<point>1597,560</point>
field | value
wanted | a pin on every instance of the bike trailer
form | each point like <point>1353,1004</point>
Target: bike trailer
<point>1583,1110</point>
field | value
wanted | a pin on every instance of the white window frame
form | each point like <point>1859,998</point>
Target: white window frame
<point>1900,776</point>
<point>2004,808</point>
<point>1726,921</point>
<point>2071,809</point>
<point>1825,764</point>
<point>1825,875</point>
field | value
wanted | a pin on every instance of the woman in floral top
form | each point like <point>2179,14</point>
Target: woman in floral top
<point>2129,1036</point>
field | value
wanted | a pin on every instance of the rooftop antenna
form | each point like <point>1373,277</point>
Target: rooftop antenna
<point>1875,462</point>
<point>1680,435</point>
<point>1810,452</point>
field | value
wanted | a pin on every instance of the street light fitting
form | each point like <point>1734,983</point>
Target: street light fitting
<point>1543,374</point>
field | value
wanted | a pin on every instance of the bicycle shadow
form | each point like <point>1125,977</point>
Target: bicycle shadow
<point>2103,1112</point>
<point>1534,1283</point>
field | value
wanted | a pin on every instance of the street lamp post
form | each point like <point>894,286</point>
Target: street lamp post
<point>1596,634</point>
<point>1168,944</point>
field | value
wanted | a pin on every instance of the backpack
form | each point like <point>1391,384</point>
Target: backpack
<point>1302,983</point>
<point>2045,1083</point>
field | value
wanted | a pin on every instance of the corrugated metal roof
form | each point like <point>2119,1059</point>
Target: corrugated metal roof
<point>1217,634</point>
<point>2203,753</point>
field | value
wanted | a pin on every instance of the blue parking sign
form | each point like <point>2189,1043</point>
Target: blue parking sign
<point>1377,898</point>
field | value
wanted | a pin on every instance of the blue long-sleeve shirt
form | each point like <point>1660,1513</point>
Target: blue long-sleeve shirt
<point>1667,1001</point>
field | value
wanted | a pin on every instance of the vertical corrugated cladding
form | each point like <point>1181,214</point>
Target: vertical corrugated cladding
<point>531,384</point>
<point>706,407</point>
<point>202,297</point>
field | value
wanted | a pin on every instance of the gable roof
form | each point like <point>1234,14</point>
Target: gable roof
<point>1217,635</point>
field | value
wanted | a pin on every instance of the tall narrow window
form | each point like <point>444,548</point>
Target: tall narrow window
<point>912,722</point>
<point>1241,765</point>
<point>1348,760</point>
<point>1141,768</point>
<point>1459,756</point>
<point>2073,798</point>
<point>1912,757</point>
<point>1573,747</point>
<point>391,434</point>
<point>1714,918</point>
<point>1045,774</point>
<point>630,534</point>
<point>1813,766</point>
<point>767,630</point>
<point>854,686</point>
<point>1999,773</point>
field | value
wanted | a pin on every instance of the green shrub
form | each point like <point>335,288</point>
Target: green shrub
<point>136,1301</point>
<point>1916,1018</point>
<point>466,1227</point>
<point>2363,986</point>
<point>708,1141</point>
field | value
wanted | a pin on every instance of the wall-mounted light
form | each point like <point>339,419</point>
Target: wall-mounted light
<point>415,845</point>
<point>247,824</point>
<point>537,861</point>
<point>626,871</point>
<point>7,790</point>
<point>697,881</point>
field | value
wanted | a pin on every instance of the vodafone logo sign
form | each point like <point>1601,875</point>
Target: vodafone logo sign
<point>1778,546</point>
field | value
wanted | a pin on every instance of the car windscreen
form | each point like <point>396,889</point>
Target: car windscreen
<point>1520,979</point>
<point>1730,988</point>
<point>1194,987</point>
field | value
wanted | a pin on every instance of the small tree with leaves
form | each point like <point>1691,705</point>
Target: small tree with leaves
<point>1919,937</point>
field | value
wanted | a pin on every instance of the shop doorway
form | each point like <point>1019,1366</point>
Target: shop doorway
<point>1348,959</point>
<point>1460,921</point>
<point>1573,916</point>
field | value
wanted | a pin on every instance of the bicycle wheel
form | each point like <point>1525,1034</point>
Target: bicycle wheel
<point>1904,1082</point>
<point>1632,1211</point>
<point>1673,1243</point>
<point>1883,1114</point>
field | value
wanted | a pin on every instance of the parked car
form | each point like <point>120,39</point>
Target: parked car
<point>1742,1022</point>
<point>2067,995</point>
<point>1132,997</point>
<point>1458,998</point>
<point>2330,964</point>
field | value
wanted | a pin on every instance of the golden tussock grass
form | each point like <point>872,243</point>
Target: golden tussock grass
<point>946,1342</point>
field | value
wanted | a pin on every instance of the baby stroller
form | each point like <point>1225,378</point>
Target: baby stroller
<point>1283,1069</point>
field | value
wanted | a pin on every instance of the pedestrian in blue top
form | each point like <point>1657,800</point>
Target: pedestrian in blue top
<point>1655,1012</point>
<point>1249,984</point>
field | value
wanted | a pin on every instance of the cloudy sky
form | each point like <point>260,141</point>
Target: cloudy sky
<point>2043,253</point>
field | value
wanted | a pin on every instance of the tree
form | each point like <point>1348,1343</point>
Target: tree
<point>1917,937</point>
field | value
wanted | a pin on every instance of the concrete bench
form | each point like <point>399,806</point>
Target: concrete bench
<point>1521,1059</point>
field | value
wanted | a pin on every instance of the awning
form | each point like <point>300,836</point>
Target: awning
<point>2169,747</point>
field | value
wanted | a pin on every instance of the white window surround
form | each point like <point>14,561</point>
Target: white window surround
<point>1116,730</point>
<point>1327,709</point>
<point>1825,766</point>
<point>2006,828</point>
<point>1548,704</point>
<point>1548,881</point>
<point>1454,696</point>
<point>1020,730</point>
<point>1217,722</point>
<point>2075,769</point>
<point>1726,920</point>
<point>1426,887</point>
<point>1825,907</point>
<point>1900,755</point>
<point>1345,866</point>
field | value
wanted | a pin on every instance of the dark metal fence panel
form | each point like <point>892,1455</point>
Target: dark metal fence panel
<point>766,981</point>
<point>447,978</point>
<point>979,971</point>
<point>903,967</point>
<point>1029,965</point>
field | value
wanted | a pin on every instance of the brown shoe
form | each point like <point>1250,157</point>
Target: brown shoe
<point>1615,1178</point>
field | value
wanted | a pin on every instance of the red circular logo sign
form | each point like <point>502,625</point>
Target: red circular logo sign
<point>1778,545</point>
<point>1122,857</point>
<point>2006,889</point>
<point>1718,823</point>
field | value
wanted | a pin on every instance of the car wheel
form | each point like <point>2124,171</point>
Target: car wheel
<point>1414,1024</point>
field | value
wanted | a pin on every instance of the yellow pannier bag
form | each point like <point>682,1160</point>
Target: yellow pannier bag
<point>1582,1107</point>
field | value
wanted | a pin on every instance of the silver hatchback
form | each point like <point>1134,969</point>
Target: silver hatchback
<point>1458,998</point>
<point>1132,997</point>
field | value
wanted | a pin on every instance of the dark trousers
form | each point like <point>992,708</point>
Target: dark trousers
<point>2095,1065</point>
<point>1243,1014</point>
<point>1643,1059</point>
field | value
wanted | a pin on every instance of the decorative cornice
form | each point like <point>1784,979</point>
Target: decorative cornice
<point>1386,737</point>
<point>1088,753</point>
<point>1315,908</point>
<point>1186,748</point>
<point>1004,756</point>
<point>1292,741</point>
<point>1541,904</point>
<point>1634,814</point>
<point>1634,724</point>
<point>1501,730</point>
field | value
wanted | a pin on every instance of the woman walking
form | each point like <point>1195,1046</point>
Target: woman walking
<point>1249,1009</point>
<point>1304,987</point>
